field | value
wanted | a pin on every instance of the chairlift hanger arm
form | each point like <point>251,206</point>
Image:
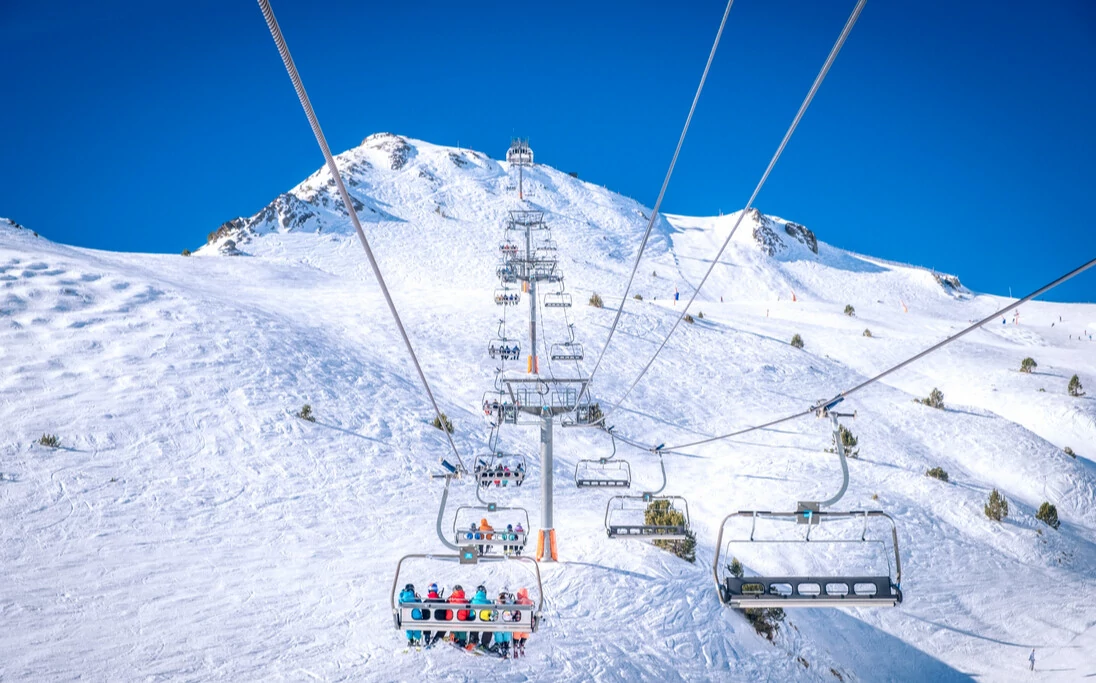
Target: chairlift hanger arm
<point>840,448</point>
<point>441,514</point>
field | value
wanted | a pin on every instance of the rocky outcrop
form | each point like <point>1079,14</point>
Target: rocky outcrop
<point>801,233</point>
<point>397,148</point>
<point>766,234</point>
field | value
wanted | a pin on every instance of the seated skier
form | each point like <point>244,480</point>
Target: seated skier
<point>480,598</point>
<point>408,595</point>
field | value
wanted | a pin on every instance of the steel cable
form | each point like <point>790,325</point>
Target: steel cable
<point>291,68</point>
<point>772,162</point>
<point>662,191</point>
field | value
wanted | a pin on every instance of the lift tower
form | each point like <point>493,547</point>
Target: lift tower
<point>520,155</point>
<point>539,398</point>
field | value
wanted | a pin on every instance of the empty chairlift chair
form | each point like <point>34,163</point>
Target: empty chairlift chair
<point>420,615</point>
<point>648,516</point>
<point>566,351</point>
<point>605,472</point>
<point>821,589</point>
<point>627,517</point>
<point>557,300</point>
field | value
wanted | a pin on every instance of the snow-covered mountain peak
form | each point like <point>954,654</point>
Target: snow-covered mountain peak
<point>190,510</point>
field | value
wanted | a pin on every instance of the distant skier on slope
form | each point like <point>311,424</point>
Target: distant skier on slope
<point>1031,658</point>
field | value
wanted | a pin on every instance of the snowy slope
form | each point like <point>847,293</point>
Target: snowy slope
<point>190,527</point>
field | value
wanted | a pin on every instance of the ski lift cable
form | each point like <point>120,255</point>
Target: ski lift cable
<point>935,347</point>
<point>306,104</point>
<point>765,176</point>
<point>662,191</point>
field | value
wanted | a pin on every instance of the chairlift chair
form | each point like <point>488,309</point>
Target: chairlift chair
<point>624,518</point>
<point>815,590</point>
<point>604,472</point>
<point>464,616</point>
<point>496,538</point>
<point>557,300</point>
<point>566,351</point>
<point>507,273</point>
<point>505,296</point>
<point>500,469</point>
<point>504,349</point>
<point>498,408</point>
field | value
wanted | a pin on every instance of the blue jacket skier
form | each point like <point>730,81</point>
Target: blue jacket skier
<point>408,595</point>
<point>480,598</point>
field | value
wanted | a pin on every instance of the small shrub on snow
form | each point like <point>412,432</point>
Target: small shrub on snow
<point>849,310</point>
<point>1028,364</point>
<point>595,300</point>
<point>305,413</point>
<point>937,473</point>
<point>661,513</point>
<point>1048,514</point>
<point>848,440</point>
<point>797,341</point>
<point>1069,451</point>
<point>934,400</point>
<point>638,297</point>
<point>442,421</point>
<point>766,621</point>
<point>997,507</point>
<point>186,252</point>
<point>1075,388</point>
<point>689,319</point>
<point>735,567</point>
<point>50,441</point>
<point>867,332</point>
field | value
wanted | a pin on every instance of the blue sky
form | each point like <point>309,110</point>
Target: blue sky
<point>951,135</point>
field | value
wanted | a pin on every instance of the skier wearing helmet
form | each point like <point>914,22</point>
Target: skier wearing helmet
<point>408,595</point>
<point>433,595</point>
<point>480,598</point>
<point>458,597</point>
<point>503,638</point>
<point>521,637</point>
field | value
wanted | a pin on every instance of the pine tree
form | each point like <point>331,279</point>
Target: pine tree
<point>305,413</point>
<point>797,341</point>
<point>441,421</point>
<point>997,507</point>
<point>1028,364</point>
<point>1075,388</point>
<point>1048,513</point>
<point>661,513</point>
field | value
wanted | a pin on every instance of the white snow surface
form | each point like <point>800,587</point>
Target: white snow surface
<point>189,527</point>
